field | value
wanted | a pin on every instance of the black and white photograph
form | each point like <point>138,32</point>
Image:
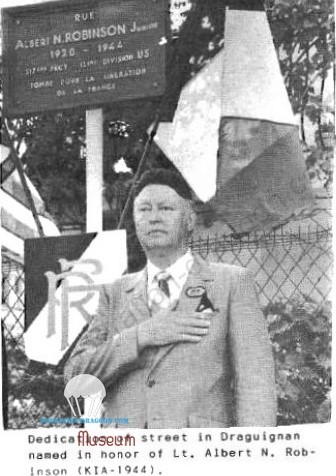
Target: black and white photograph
<point>166,227</point>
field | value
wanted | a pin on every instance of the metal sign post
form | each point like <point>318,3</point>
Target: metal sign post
<point>94,186</point>
<point>94,170</point>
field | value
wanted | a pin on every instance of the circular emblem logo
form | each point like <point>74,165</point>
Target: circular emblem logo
<point>195,292</point>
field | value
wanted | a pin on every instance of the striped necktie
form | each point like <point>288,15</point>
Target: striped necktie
<point>162,279</point>
<point>161,297</point>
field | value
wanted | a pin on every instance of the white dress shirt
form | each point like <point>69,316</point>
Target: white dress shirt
<point>178,272</point>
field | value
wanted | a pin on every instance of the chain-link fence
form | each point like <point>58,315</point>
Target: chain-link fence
<point>12,301</point>
<point>290,262</point>
<point>294,261</point>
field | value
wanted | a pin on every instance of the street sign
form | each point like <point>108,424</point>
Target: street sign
<point>82,53</point>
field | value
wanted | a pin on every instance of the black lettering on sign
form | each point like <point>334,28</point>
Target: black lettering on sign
<point>83,56</point>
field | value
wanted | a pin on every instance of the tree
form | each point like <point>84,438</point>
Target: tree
<point>303,32</point>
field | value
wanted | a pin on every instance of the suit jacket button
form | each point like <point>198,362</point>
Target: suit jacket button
<point>151,383</point>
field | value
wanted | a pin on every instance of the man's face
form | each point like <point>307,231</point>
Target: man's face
<point>163,219</point>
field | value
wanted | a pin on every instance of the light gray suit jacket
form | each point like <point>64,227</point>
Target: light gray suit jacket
<point>225,380</point>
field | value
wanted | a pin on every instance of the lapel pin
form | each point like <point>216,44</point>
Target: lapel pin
<point>195,292</point>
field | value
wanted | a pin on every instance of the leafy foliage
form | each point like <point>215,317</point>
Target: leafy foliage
<point>301,335</point>
<point>303,34</point>
<point>54,157</point>
<point>34,391</point>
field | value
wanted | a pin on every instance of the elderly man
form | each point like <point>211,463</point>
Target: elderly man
<point>182,343</point>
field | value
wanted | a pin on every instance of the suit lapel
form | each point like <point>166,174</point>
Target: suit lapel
<point>199,275</point>
<point>137,296</point>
